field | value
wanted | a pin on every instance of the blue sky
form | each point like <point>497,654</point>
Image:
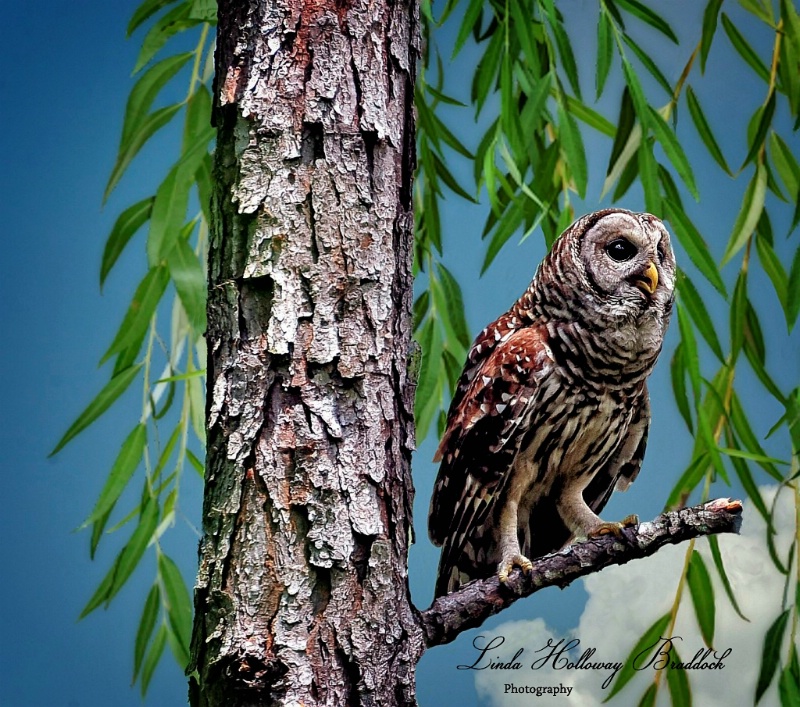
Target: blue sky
<point>64,88</point>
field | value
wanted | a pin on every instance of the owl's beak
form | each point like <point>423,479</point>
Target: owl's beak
<point>647,281</point>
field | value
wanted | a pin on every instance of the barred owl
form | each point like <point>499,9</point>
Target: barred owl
<point>551,412</point>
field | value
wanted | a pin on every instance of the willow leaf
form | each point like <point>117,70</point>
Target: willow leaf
<point>713,542</point>
<point>152,657</point>
<point>142,307</point>
<point>146,89</point>
<point>770,653</point>
<point>710,17</point>
<point>189,278</point>
<point>105,398</point>
<point>121,472</point>
<point>146,10</point>
<point>571,141</point>
<point>147,128</point>
<point>678,683</point>
<point>178,602</point>
<point>648,16</point>
<point>704,130</point>
<point>749,214</point>
<point>147,623</point>
<point>666,137</point>
<point>126,225</point>
<point>745,50</point>
<point>168,25</point>
<point>649,639</point>
<point>605,51</point>
<point>702,593</point>
<point>695,246</point>
<point>697,311</point>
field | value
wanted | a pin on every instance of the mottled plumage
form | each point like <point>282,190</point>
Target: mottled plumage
<point>551,412</point>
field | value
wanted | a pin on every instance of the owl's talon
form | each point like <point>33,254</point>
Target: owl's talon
<point>612,528</point>
<point>507,567</point>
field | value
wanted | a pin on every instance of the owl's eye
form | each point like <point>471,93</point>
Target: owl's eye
<point>621,250</point>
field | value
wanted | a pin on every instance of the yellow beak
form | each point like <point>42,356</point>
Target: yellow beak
<point>648,280</point>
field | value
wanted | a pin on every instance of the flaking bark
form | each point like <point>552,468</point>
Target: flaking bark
<point>302,593</point>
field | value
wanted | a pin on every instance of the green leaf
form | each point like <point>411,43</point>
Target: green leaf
<point>678,683</point>
<point>168,25</point>
<point>430,377</point>
<point>147,128</point>
<point>745,434</point>
<point>471,16</point>
<point>770,654</point>
<point>197,465</point>
<point>189,277</point>
<point>121,472</point>
<point>673,150</point>
<point>793,291</point>
<point>126,225</point>
<point>146,625</point>
<point>737,313</point>
<point>702,593</point>
<point>143,306</point>
<point>197,407</point>
<point>762,119</point>
<point>789,687</point>
<point>171,202</point>
<point>589,116</point>
<point>564,47</point>
<point>146,10</point>
<point>205,10</point>
<point>704,130</point>
<point>648,175</point>
<point>454,305</point>
<point>678,373</point>
<point>752,456</point>
<point>785,163</point>
<point>688,481</point>
<point>745,50</point>
<point>649,64</point>
<point>774,268</point>
<point>484,78</point>
<point>713,542</point>
<point>145,91</point>
<point>605,50</point>
<point>152,657</point>
<point>650,638</point>
<point>640,105</point>
<point>127,559</point>
<point>710,17</point>
<point>179,604</point>
<point>697,311</point>
<point>649,697</point>
<point>695,246</point>
<point>574,152</point>
<point>105,398</point>
<point>749,214</point>
<point>645,14</point>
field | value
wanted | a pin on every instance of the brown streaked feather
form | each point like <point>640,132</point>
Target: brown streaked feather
<point>483,434</point>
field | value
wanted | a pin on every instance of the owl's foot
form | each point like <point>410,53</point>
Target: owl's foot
<point>615,529</point>
<point>506,567</point>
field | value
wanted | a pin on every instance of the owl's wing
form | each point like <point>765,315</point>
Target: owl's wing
<point>486,423</point>
<point>623,468</point>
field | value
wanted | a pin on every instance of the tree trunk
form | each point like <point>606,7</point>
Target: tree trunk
<point>302,594</point>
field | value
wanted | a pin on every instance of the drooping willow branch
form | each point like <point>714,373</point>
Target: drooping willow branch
<point>471,605</point>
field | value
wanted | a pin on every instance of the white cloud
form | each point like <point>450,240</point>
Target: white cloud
<point>625,600</point>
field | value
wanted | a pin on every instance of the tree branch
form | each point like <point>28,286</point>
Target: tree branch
<point>473,603</point>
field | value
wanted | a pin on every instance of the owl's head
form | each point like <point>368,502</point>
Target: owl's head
<point>626,261</point>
